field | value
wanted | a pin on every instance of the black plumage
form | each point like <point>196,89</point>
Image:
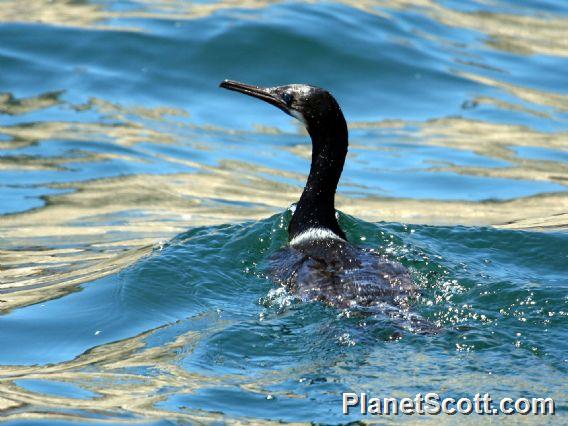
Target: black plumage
<point>319,263</point>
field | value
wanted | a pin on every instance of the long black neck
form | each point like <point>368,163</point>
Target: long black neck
<point>316,208</point>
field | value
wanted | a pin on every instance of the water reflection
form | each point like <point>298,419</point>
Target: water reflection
<point>9,104</point>
<point>165,373</point>
<point>94,222</point>
<point>520,31</point>
<point>112,221</point>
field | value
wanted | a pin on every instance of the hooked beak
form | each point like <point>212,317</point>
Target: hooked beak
<point>264,93</point>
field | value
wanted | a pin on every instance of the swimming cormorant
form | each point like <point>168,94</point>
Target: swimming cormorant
<point>319,263</point>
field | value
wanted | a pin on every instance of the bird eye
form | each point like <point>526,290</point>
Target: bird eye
<point>287,97</point>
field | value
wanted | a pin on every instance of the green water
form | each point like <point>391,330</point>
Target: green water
<point>199,325</point>
<point>140,205</point>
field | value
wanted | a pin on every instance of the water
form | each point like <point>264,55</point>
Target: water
<point>140,204</point>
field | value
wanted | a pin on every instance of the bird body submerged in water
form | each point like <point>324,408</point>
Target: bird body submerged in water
<point>319,263</point>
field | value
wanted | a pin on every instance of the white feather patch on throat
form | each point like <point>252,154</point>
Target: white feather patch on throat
<point>315,234</point>
<point>298,115</point>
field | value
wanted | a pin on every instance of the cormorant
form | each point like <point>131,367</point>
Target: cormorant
<point>319,263</point>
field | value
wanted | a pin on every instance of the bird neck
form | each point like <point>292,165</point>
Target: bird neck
<point>316,208</point>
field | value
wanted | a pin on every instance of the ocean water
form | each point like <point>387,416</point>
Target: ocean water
<point>140,203</point>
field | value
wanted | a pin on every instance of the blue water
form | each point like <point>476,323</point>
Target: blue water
<point>140,205</point>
